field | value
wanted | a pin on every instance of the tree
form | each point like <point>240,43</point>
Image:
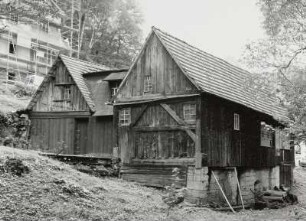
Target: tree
<point>112,35</point>
<point>26,11</point>
<point>279,59</point>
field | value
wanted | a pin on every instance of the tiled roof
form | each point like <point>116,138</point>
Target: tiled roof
<point>216,76</point>
<point>77,68</point>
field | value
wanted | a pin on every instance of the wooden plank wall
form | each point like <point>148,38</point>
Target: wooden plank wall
<point>54,91</point>
<point>153,175</point>
<point>163,145</point>
<point>155,135</point>
<point>167,78</point>
<point>102,136</point>
<point>223,146</point>
<point>48,134</point>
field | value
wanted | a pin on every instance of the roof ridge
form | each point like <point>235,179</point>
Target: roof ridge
<point>200,50</point>
<point>84,61</point>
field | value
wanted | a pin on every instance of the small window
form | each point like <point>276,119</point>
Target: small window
<point>14,17</point>
<point>267,135</point>
<point>67,93</point>
<point>189,111</point>
<point>148,84</point>
<point>11,76</point>
<point>12,48</point>
<point>114,88</point>
<point>44,27</point>
<point>236,121</point>
<point>125,117</point>
<point>114,91</point>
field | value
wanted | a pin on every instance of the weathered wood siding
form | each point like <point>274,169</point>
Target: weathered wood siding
<point>51,134</point>
<point>77,134</point>
<point>155,134</point>
<point>102,136</point>
<point>223,146</point>
<point>155,175</point>
<point>166,76</point>
<point>51,98</point>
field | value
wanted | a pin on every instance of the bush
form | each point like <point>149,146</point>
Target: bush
<point>13,130</point>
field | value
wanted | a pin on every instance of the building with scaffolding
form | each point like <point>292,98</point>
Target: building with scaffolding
<point>28,50</point>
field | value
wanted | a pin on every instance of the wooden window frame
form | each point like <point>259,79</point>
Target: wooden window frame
<point>148,87</point>
<point>125,117</point>
<point>236,121</point>
<point>114,89</point>
<point>67,93</point>
<point>14,18</point>
<point>189,112</point>
<point>270,134</point>
<point>11,76</point>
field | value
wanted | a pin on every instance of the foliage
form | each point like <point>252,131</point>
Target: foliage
<point>278,59</point>
<point>14,166</point>
<point>13,130</point>
<point>27,11</point>
<point>112,35</point>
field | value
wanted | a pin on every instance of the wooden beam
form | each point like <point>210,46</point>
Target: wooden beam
<point>58,114</point>
<point>150,98</point>
<point>179,121</point>
<point>163,128</point>
<point>198,152</point>
<point>144,107</point>
<point>198,145</point>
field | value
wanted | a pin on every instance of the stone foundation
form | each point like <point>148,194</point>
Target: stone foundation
<point>202,187</point>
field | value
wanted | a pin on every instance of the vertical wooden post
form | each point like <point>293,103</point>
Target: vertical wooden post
<point>198,151</point>
<point>198,154</point>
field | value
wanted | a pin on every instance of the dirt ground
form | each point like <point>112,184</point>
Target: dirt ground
<point>55,191</point>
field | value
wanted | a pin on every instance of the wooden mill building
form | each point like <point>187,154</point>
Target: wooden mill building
<point>180,107</point>
<point>69,113</point>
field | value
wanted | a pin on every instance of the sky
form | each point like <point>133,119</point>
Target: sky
<point>220,27</point>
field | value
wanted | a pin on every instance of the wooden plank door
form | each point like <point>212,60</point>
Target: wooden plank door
<point>286,175</point>
<point>81,136</point>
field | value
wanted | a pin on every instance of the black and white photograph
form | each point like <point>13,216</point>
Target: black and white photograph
<point>152,110</point>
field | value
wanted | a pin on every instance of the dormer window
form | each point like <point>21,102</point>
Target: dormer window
<point>114,88</point>
<point>147,84</point>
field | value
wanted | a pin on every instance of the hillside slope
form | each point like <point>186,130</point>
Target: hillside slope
<point>52,190</point>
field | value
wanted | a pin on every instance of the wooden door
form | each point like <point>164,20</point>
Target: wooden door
<point>286,174</point>
<point>81,136</point>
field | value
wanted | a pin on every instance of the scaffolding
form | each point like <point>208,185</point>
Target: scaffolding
<point>12,70</point>
<point>72,21</point>
<point>42,54</point>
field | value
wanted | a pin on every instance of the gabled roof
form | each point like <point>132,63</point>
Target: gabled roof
<point>216,76</point>
<point>76,69</point>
